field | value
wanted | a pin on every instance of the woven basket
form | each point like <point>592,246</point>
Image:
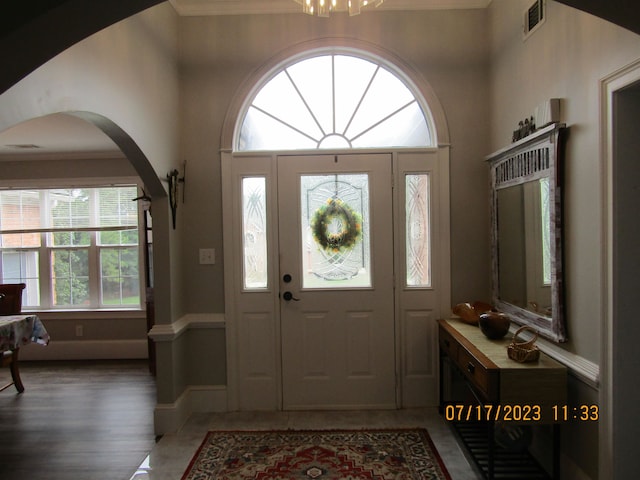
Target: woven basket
<point>524,351</point>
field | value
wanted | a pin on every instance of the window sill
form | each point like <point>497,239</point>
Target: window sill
<point>89,314</point>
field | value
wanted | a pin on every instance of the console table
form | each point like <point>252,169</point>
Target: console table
<point>503,392</point>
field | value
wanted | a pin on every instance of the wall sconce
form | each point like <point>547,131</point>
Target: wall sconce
<point>145,201</point>
<point>173,179</point>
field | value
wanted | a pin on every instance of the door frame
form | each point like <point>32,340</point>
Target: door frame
<point>617,335</point>
<point>417,372</point>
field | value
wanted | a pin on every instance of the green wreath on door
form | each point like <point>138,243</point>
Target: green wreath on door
<point>350,226</point>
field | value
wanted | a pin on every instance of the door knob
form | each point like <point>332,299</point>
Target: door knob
<point>288,296</point>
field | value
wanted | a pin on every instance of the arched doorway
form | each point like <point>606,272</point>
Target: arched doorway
<point>70,180</point>
<point>324,312</point>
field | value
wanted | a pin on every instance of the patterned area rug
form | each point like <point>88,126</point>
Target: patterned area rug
<point>405,454</point>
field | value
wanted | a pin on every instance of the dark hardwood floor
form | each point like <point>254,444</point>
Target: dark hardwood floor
<point>76,420</point>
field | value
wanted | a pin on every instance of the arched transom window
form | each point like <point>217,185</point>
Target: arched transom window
<point>334,101</point>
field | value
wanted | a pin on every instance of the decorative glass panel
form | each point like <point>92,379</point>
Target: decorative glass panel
<point>335,231</point>
<point>418,248</point>
<point>334,101</point>
<point>254,233</point>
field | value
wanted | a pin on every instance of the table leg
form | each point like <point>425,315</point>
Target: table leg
<point>556,451</point>
<point>492,449</point>
<point>15,372</point>
<point>441,383</point>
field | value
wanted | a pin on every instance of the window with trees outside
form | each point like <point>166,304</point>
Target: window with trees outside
<point>74,248</point>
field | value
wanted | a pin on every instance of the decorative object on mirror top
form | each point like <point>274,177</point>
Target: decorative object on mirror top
<point>545,113</point>
<point>525,128</point>
<point>470,313</point>
<point>524,351</point>
<point>542,310</point>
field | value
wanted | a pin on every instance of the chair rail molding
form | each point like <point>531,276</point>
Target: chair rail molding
<point>191,321</point>
<point>584,370</point>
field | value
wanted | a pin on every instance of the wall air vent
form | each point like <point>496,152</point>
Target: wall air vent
<point>534,17</point>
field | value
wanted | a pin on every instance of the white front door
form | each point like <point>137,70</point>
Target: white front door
<point>359,330</point>
<point>336,281</point>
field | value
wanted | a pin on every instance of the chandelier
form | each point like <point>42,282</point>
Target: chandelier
<point>322,8</point>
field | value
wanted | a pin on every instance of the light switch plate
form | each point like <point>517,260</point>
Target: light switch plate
<point>207,256</point>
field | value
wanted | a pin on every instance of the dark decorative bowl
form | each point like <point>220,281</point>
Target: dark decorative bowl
<point>494,325</point>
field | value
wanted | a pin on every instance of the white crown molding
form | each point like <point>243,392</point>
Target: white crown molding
<point>433,4</point>
<point>246,7</point>
<point>233,7</point>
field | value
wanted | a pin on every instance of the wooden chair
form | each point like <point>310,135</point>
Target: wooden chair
<point>11,304</point>
<point>11,298</point>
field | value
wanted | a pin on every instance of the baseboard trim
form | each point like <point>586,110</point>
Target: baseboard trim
<point>571,470</point>
<point>170,417</point>
<point>86,350</point>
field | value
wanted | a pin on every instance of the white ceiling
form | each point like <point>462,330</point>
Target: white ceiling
<point>65,136</point>
<point>55,136</point>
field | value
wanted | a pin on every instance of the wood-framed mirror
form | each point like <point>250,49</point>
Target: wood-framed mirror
<point>526,234</point>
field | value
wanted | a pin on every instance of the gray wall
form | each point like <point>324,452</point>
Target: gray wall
<point>173,98</point>
<point>566,58</point>
<point>447,48</point>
